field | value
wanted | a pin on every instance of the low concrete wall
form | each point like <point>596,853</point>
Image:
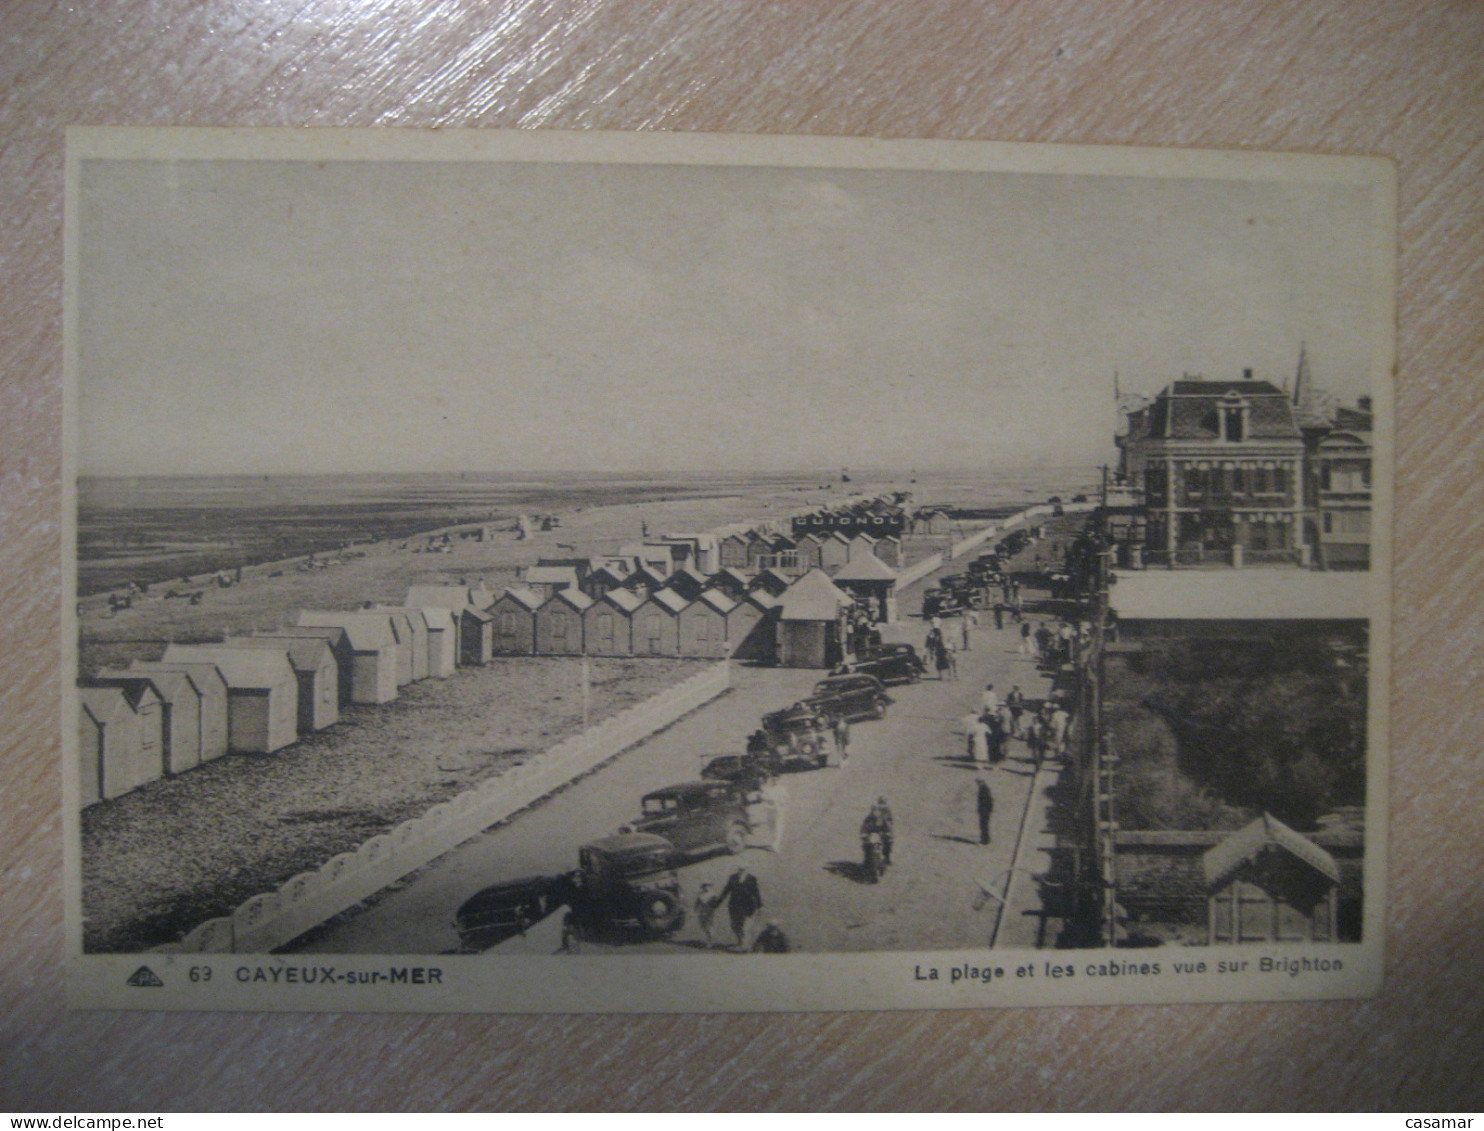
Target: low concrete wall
<point>915,573</point>
<point>271,919</point>
<point>963,546</point>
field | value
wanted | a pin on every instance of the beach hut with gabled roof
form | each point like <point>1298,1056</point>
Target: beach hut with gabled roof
<point>410,657</point>
<point>657,624</point>
<point>658,557</point>
<point>316,669</point>
<point>603,579</point>
<point>473,627</point>
<point>889,549</point>
<point>548,580</point>
<point>443,639</point>
<point>476,629</point>
<point>373,667</point>
<point>688,582</point>
<point>732,582</point>
<point>932,521</point>
<point>644,580</point>
<point>703,625</point>
<point>418,626</point>
<point>834,551</point>
<point>262,694</point>
<point>771,582</point>
<point>212,687</point>
<point>759,547</point>
<point>1268,884</point>
<point>731,549</point>
<point>607,625</point>
<point>338,640</point>
<point>807,547</point>
<point>180,712</point>
<point>751,628</point>
<point>809,622</point>
<point>119,749</point>
<point>515,622</point>
<point>861,544</point>
<point>867,578</point>
<point>559,623</point>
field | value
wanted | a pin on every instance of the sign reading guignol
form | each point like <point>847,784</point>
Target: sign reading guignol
<point>589,395</point>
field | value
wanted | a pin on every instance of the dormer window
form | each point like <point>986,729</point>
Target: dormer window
<point>1232,413</point>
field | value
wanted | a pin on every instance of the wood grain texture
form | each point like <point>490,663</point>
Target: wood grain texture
<point>1405,80</point>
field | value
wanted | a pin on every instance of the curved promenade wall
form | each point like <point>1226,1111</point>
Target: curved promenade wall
<point>273,918</point>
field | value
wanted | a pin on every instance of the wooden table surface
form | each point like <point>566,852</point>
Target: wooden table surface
<point>1404,80</point>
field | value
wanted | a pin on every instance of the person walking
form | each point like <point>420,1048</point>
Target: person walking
<point>768,810</point>
<point>932,646</point>
<point>950,654</point>
<point>1043,638</point>
<point>984,803</point>
<point>978,734</point>
<point>991,700</point>
<point>842,739</point>
<point>970,621</point>
<point>1060,722</point>
<point>1016,702</point>
<point>1025,638</point>
<point>999,614</point>
<point>705,910</point>
<point>744,899</point>
<point>996,737</point>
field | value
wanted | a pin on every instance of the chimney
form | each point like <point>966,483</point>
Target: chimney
<point>1246,375</point>
<point>1363,403</point>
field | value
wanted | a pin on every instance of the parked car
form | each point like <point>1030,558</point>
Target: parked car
<point>504,910</point>
<point>750,767</point>
<point>858,696</point>
<point>625,880</point>
<point>938,601</point>
<point>798,737</point>
<point>699,817</point>
<point>890,663</point>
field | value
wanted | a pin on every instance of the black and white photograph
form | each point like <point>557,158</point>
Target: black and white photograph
<point>554,572</point>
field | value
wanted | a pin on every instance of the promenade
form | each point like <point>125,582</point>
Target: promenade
<point>944,891</point>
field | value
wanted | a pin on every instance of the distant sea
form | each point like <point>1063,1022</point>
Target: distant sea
<point>153,528</point>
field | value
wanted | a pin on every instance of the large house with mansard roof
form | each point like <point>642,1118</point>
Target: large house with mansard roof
<point>1241,472</point>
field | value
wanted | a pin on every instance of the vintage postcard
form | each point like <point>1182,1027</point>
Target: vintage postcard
<point>557,572</point>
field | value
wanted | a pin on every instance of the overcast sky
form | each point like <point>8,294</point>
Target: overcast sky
<point>251,316</point>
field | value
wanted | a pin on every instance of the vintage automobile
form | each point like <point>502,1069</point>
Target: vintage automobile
<point>801,730</point>
<point>699,817</point>
<point>753,766</point>
<point>798,737</point>
<point>890,663</point>
<point>938,601</point>
<point>857,696</point>
<point>504,910</point>
<point>624,880</point>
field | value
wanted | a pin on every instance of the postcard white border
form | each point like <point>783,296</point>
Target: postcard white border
<point>701,983</point>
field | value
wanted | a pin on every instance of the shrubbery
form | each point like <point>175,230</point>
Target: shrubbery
<point>1227,730</point>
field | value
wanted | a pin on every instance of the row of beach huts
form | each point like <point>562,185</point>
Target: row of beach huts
<point>257,694</point>
<point>673,596</point>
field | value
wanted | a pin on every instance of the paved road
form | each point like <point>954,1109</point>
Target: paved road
<point>811,886</point>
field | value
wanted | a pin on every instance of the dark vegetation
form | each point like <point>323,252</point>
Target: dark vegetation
<point>1211,733</point>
